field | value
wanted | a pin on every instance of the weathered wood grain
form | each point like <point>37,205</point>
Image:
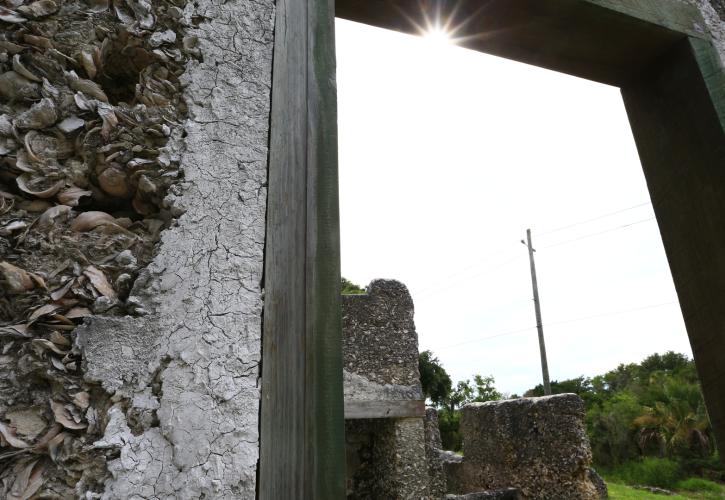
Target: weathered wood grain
<point>671,14</point>
<point>302,425</point>
<point>355,409</point>
<point>677,112</point>
<point>325,434</point>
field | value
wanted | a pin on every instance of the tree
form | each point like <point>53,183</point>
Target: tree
<point>654,407</point>
<point>435,380</point>
<point>670,361</point>
<point>676,422</point>
<point>350,288</point>
<point>480,391</point>
<point>610,429</point>
<point>580,386</point>
<point>437,387</point>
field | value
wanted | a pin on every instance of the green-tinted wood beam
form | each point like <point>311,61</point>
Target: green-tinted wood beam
<point>677,112</point>
<point>302,424</point>
<point>671,14</point>
<point>608,41</point>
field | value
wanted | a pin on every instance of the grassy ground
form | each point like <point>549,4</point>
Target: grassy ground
<point>622,492</point>
<point>663,473</point>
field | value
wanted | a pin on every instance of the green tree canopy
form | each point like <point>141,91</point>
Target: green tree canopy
<point>654,407</point>
<point>435,380</point>
<point>481,390</point>
<point>438,387</point>
<point>350,288</point>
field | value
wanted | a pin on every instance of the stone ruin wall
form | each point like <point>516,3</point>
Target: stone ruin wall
<point>537,445</point>
<point>529,448</point>
<point>519,449</point>
<point>133,143</point>
<point>133,136</point>
<point>385,457</point>
<point>380,344</point>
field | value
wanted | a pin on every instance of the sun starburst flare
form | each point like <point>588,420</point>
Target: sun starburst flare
<point>438,36</point>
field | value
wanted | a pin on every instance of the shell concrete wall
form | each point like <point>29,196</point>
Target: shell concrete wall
<point>200,341</point>
<point>156,394</point>
<point>380,344</point>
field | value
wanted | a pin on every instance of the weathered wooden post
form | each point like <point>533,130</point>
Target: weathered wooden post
<point>302,423</point>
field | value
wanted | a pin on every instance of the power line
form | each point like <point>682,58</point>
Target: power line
<point>613,313</point>
<point>574,320</point>
<point>593,219</point>
<point>597,234</point>
<point>434,290</point>
<point>429,292</point>
<point>494,336</point>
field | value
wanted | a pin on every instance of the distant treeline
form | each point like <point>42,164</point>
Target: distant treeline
<point>652,408</point>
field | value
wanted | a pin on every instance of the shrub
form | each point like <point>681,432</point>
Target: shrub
<point>709,468</point>
<point>698,484</point>
<point>659,472</point>
<point>449,423</point>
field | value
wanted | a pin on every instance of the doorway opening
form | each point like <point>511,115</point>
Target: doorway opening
<point>673,83</point>
<point>447,156</point>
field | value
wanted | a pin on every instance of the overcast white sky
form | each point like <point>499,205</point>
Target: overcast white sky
<point>447,156</point>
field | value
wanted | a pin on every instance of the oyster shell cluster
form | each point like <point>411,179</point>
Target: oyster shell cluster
<point>89,100</point>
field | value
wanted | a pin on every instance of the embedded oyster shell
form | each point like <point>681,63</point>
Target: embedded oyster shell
<point>41,115</point>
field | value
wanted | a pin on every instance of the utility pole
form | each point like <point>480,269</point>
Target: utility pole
<point>537,306</point>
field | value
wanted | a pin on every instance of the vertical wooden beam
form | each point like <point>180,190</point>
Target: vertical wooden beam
<point>302,423</point>
<point>677,112</point>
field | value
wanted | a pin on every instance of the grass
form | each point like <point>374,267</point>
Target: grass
<point>699,484</point>
<point>623,492</point>
<point>659,472</point>
<point>662,473</point>
<point>709,491</point>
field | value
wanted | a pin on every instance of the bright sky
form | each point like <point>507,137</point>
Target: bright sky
<point>447,156</point>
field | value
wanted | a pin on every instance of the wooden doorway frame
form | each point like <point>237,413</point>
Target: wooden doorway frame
<point>673,85</point>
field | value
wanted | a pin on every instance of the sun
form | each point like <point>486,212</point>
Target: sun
<point>437,35</point>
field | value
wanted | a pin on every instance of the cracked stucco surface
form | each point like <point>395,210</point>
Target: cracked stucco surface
<point>193,359</point>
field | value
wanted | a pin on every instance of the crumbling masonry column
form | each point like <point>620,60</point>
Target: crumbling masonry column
<point>384,405</point>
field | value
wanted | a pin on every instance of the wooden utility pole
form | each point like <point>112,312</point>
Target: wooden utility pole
<point>537,306</point>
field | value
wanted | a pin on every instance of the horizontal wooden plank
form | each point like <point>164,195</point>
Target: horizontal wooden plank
<point>355,409</point>
<point>670,14</point>
<point>609,41</point>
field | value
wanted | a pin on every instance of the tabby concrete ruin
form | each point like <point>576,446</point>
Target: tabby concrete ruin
<point>384,402</point>
<point>530,448</point>
<point>139,143</point>
<point>537,445</point>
